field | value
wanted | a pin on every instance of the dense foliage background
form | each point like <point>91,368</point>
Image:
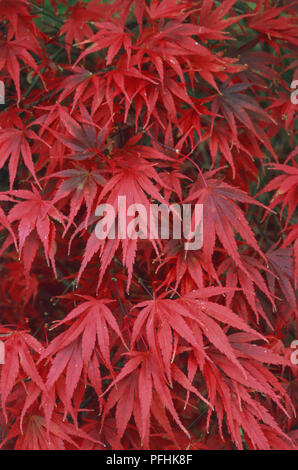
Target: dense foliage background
<point>140,344</point>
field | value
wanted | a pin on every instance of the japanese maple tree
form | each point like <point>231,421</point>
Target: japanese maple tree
<point>139,343</point>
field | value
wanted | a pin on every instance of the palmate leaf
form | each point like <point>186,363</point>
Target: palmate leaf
<point>14,12</point>
<point>35,215</point>
<point>76,28</point>
<point>221,140</point>
<point>286,189</point>
<point>185,268</point>
<point>19,363</point>
<point>11,51</point>
<point>222,216</point>
<point>93,318</point>
<point>78,81</point>
<point>214,20</point>
<point>275,25</point>
<point>164,9</point>
<point>235,398</point>
<point>111,35</point>
<point>257,65</point>
<point>83,84</point>
<point>83,139</point>
<point>77,352</point>
<point>281,265</point>
<point>133,394</point>
<point>15,143</point>
<point>84,184</point>
<point>236,105</point>
<point>163,321</point>
<point>133,175</point>
<point>235,276</point>
<point>36,436</point>
<point>171,44</point>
